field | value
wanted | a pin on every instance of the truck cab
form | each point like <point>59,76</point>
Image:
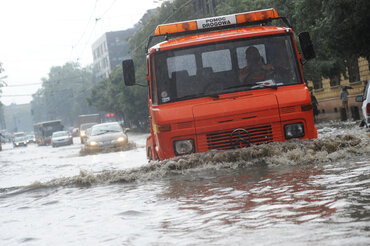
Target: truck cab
<point>220,83</point>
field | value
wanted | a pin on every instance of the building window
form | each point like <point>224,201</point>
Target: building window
<point>335,81</point>
<point>317,83</point>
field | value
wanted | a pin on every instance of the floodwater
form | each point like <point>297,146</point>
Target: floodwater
<point>313,192</point>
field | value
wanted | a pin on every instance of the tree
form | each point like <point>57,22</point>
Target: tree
<point>63,94</point>
<point>334,26</point>
<point>113,96</point>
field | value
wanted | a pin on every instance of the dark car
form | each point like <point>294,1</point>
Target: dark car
<point>19,141</point>
<point>83,130</point>
<point>61,138</point>
<point>31,139</point>
<point>106,136</point>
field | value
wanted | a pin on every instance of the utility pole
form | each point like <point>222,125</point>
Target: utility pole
<point>211,8</point>
<point>204,7</point>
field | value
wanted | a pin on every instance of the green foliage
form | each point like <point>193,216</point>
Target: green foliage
<point>112,95</point>
<point>339,30</point>
<point>63,94</point>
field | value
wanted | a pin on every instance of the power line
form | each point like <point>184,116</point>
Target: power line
<point>21,85</point>
<point>19,95</point>
<point>92,31</point>
<point>165,21</point>
<point>87,25</point>
<point>106,11</point>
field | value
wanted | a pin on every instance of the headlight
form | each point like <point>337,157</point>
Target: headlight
<point>294,130</point>
<point>93,143</point>
<point>120,139</point>
<point>183,147</point>
<point>83,133</point>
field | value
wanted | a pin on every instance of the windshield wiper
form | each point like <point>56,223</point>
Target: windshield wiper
<point>186,97</point>
<point>265,86</point>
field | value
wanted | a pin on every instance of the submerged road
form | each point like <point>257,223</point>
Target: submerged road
<point>313,192</point>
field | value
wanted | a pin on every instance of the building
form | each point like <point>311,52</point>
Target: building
<point>109,51</point>
<point>327,94</point>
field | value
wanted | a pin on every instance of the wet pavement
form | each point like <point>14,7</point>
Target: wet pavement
<point>314,192</point>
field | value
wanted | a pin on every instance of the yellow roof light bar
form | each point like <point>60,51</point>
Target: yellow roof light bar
<point>216,22</point>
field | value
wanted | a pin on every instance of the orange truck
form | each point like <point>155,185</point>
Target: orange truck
<point>225,82</point>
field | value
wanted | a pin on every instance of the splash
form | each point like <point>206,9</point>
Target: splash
<point>293,152</point>
<point>128,146</point>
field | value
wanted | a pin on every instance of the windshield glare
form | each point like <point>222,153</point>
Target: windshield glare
<point>224,67</point>
<point>60,134</point>
<point>100,129</point>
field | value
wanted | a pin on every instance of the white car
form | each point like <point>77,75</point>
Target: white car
<point>61,138</point>
<point>365,108</point>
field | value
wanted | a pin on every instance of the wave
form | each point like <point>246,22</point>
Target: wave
<point>129,146</point>
<point>293,152</point>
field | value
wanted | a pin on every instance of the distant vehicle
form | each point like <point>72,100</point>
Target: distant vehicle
<point>2,138</point>
<point>44,130</point>
<point>87,118</point>
<point>31,138</point>
<point>106,136</point>
<point>17,134</point>
<point>19,141</point>
<point>5,136</point>
<point>365,108</point>
<point>75,132</point>
<point>83,130</point>
<point>61,138</point>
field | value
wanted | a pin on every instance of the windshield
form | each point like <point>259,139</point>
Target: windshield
<point>60,134</point>
<point>225,67</point>
<point>104,128</point>
<point>20,139</point>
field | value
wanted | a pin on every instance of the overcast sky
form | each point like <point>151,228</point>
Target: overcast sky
<point>38,34</point>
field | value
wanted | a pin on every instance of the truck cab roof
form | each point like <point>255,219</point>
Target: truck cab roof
<point>219,36</point>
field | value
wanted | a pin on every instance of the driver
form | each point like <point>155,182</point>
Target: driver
<point>256,69</point>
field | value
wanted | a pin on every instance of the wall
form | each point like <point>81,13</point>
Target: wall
<point>328,96</point>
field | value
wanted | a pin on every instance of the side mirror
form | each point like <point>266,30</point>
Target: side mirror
<point>359,99</point>
<point>306,45</point>
<point>128,72</point>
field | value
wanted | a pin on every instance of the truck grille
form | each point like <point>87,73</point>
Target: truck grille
<point>240,138</point>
